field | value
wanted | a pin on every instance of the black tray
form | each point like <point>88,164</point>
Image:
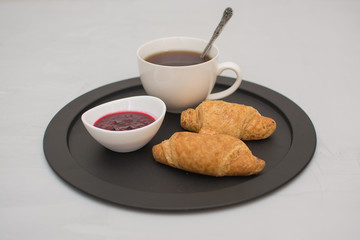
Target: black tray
<point>136,180</point>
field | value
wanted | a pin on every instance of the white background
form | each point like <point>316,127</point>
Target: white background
<point>53,51</point>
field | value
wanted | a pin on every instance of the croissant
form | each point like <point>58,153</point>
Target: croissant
<point>243,122</point>
<point>208,154</point>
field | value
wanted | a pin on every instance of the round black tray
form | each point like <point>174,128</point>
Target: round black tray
<point>136,180</point>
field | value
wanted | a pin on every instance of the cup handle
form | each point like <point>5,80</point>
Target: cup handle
<point>222,67</point>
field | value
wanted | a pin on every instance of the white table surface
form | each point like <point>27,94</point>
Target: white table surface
<point>53,51</point>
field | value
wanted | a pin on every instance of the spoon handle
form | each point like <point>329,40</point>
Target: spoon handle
<point>225,18</point>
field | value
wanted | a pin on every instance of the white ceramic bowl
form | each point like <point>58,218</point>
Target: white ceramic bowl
<point>131,140</point>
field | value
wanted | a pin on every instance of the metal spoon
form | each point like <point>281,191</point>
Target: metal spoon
<point>225,18</point>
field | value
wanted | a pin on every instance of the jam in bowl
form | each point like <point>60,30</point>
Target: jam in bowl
<point>124,121</point>
<point>126,124</point>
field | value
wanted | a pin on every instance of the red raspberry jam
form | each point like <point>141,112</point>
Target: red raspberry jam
<point>124,121</point>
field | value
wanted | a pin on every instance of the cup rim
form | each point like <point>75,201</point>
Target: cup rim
<point>179,37</point>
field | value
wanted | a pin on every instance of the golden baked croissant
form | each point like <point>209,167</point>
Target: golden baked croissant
<point>208,154</point>
<point>243,122</point>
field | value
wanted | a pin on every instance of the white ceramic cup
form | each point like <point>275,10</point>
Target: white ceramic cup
<point>182,87</point>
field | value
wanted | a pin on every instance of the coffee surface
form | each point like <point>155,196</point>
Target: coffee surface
<point>177,58</point>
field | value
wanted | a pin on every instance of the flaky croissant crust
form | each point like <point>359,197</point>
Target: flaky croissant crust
<point>238,120</point>
<point>208,154</point>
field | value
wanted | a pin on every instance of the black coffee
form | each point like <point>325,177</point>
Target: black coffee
<point>177,58</point>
